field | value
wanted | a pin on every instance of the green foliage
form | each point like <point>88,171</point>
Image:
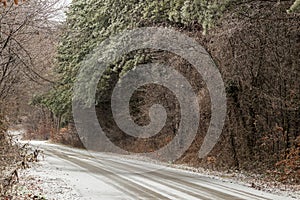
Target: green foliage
<point>92,21</point>
<point>295,7</point>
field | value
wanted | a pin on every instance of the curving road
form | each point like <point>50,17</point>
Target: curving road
<point>104,176</point>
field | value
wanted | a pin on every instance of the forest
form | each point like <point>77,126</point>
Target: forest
<point>254,44</point>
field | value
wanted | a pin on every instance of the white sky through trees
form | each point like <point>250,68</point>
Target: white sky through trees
<point>62,6</point>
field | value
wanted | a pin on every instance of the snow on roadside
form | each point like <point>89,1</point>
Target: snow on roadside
<point>42,181</point>
<point>250,180</point>
<point>255,181</point>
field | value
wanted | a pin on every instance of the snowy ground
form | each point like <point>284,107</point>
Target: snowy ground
<point>67,173</point>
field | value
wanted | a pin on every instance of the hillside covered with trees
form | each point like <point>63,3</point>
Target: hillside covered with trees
<point>255,45</point>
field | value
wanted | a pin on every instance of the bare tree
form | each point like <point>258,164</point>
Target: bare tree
<point>28,38</point>
<point>27,45</point>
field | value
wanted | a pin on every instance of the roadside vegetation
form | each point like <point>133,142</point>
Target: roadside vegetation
<point>255,45</point>
<point>27,42</point>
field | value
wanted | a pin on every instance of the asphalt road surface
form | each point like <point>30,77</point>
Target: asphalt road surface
<point>105,176</point>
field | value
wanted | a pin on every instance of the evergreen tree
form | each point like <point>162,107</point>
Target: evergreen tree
<point>90,22</point>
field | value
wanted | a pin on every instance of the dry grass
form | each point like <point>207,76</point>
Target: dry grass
<point>13,158</point>
<point>9,159</point>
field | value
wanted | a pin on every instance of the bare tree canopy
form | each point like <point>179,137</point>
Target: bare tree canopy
<point>4,2</point>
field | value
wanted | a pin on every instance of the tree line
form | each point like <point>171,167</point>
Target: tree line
<point>255,45</point>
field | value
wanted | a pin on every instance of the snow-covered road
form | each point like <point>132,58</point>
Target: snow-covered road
<point>105,176</point>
